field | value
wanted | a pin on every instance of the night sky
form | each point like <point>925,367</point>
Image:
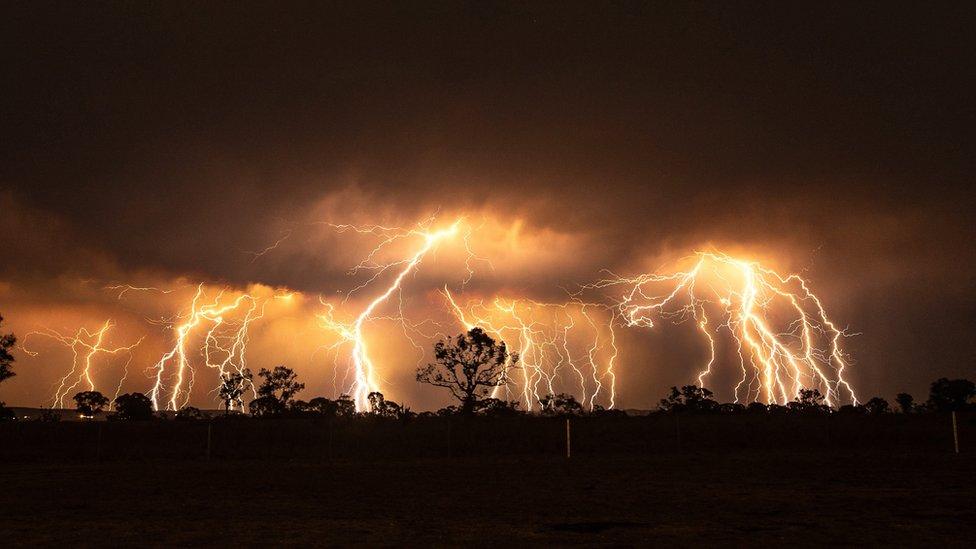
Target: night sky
<point>157,143</point>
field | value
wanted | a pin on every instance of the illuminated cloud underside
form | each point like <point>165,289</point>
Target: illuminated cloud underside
<point>781,335</point>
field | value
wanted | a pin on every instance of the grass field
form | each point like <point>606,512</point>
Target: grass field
<point>697,498</point>
<point>812,491</point>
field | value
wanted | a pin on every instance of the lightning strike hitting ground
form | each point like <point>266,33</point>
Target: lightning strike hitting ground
<point>221,338</point>
<point>561,348</point>
<point>352,333</point>
<point>782,335</point>
<point>85,346</point>
<point>772,326</point>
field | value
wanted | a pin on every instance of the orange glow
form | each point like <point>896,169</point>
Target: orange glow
<point>85,345</point>
<point>801,351</point>
<point>549,338</point>
<point>771,328</point>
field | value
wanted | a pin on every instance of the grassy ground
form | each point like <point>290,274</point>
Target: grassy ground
<point>711,498</point>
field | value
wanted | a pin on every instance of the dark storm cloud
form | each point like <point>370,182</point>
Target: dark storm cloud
<point>173,138</point>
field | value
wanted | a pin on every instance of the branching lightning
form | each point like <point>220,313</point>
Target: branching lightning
<point>561,347</point>
<point>352,333</point>
<point>219,330</point>
<point>771,327</point>
<point>783,337</point>
<point>85,346</point>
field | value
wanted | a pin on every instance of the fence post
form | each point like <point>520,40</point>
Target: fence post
<point>569,452</point>
<point>955,432</point>
<point>209,437</point>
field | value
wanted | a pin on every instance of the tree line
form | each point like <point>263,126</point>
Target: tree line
<point>470,365</point>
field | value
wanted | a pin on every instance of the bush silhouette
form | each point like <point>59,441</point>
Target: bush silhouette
<point>88,403</point>
<point>7,342</point>
<point>905,402</point>
<point>689,398</point>
<point>189,413</point>
<point>561,405</point>
<point>947,395</point>
<point>809,401</point>
<point>877,405</point>
<point>133,407</point>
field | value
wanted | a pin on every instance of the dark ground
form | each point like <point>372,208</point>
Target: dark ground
<point>710,498</point>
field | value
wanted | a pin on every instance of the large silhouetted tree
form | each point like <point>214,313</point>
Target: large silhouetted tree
<point>280,385</point>
<point>7,343</point>
<point>947,395</point>
<point>232,387</point>
<point>88,403</point>
<point>877,405</point>
<point>906,402</point>
<point>689,398</point>
<point>379,406</point>
<point>134,406</point>
<point>470,365</point>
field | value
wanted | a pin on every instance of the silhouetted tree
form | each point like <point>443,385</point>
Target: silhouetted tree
<point>381,407</point>
<point>189,413</point>
<point>341,407</point>
<point>757,408</point>
<point>689,398</point>
<point>877,405</point>
<point>232,388</point>
<point>7,343</point>
<point>266,406</point>
<point>495,407</point>
<point>852,410</point>
<point>50,415</point>
<point>448,411</point>
<point>280,383</point>
<point>275,392</point>
<point>600,411</point>
<point>730,408</point>
<point>809,401</point>
<point>561,405</point>
<point>133,406</point>
<point>88,403</point>
<point>323,407</point>
<point>777,409</point>
<point>947,395</point>
<point>300,408</point>
<point>470,365</point>
<point>905,402</point>
<point>345,406</point>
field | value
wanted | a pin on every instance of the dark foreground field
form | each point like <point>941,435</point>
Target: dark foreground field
<point>658,480</point>
<point>710,498</point>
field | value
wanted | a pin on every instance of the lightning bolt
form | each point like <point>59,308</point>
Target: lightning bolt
<point>85,346</point>
<point>353,333</point>
<point>544,336</point>
<point>803,352</point>
<point>223,328</point>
